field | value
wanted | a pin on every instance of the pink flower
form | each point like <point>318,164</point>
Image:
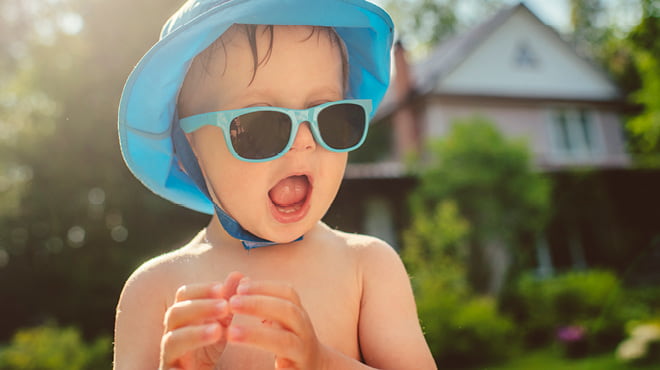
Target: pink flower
<point>570,334</point>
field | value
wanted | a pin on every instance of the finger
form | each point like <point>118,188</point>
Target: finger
<point>271,288</point>
<point>199,291</point>
<point>286,313</point>
<point>281,343</point>
<point>195,312</point>
<point>210,289</point>
<point>231,284</point>
<point>284,364</point>
<point>178,342</point>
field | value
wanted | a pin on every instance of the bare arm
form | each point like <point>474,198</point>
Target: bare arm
<point>139,321</point>
<point>389,330</point>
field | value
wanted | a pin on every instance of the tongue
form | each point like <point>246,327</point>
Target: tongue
<point>289,191</point>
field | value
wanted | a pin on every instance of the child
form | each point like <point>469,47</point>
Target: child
<point>246,109</point>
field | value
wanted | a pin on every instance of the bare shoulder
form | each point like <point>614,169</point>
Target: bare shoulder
<point>359,243</point>
<point>372,253</point>
<point>146,296</point>
<point>161,275</point>
<point>376,262</point>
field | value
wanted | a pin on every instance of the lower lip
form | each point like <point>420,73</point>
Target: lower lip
<point>291,217</point>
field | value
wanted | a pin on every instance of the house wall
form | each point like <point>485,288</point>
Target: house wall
<point>532,120</point>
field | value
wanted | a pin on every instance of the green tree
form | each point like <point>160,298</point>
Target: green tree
<point>631,57</point>
<point>588,27</point>
<point>645,45</point>
<point>491,180</point>
<point>73,222</point>
<point>421,24</point>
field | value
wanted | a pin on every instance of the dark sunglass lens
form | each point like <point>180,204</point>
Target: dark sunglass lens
<point>342,126</point>
<point>260,135</point>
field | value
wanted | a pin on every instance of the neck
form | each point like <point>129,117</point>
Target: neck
<point>217,236</point>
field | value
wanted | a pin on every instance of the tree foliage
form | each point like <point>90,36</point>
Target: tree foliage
<point>51,348</point>
<point>421,24</point>
<point>73,222</point>
<point>589,30</point>
<point>490,178</point>
<point>646,55</point>
<point>632,58</point>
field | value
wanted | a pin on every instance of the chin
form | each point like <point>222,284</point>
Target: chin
<point>286,233</point>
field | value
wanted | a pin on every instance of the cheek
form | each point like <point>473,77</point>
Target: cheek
<point>332,171</point>
<point>229,177</point>
<point>239,180</point>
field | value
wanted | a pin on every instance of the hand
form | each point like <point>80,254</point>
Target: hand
<point>196,325</point>
<point>285,329</point>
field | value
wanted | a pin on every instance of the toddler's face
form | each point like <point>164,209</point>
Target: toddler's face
<point>281,199</point>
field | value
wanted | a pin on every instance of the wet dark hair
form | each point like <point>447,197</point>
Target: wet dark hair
<point>250,31</point>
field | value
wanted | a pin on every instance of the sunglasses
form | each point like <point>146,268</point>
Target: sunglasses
<point>260,134</point>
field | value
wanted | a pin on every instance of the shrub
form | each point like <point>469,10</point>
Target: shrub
<point>51,348</point>
<point>584,300</point>
<point>457,324</point>
<point>455,321</point>
<point>477,326</point>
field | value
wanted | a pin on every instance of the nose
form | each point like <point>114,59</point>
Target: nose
<point>304,139</point>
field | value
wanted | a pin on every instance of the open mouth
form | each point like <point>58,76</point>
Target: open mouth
<point>289,198</point>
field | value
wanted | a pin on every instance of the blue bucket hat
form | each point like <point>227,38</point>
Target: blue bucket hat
<point>147,111</point>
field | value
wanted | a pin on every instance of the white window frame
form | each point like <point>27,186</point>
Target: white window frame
<point>579,138</point>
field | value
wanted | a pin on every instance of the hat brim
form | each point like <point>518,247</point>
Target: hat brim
<point>148,103</point>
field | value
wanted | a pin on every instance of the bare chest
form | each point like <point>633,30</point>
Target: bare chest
<point>330,292</point>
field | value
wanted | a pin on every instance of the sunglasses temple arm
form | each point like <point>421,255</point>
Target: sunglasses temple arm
<point>192,123</point>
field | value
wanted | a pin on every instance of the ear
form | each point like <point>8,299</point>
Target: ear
<point>191,140</point>
<point>178,162</point>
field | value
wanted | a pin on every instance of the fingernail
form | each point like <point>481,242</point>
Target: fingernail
<point>221,306</point>
<point>235,332</point>
<point>243,288</point>
<point>236,301</point>
<point>210,330</point>
<point>243,285</point>
<point>216,290</point>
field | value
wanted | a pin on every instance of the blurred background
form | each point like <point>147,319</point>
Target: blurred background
<point>514,164</point>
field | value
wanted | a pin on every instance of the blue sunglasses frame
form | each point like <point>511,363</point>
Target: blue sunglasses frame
<point>223,120</point>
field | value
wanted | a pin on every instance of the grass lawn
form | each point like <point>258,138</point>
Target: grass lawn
<point>551,359</point>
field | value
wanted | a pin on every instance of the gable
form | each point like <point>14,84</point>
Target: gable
<point>525,58</point>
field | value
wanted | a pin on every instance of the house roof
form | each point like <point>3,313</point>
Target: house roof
<point>450,53</point>
<point>429,74</point>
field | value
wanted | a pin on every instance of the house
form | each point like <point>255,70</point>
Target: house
<point>521,74</point>
<point>512,69</point>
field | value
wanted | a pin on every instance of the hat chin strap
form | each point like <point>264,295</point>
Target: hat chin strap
<point>184,153</point>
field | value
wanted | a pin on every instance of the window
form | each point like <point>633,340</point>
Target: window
<point>525,56</point>
<point>574,134</point>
